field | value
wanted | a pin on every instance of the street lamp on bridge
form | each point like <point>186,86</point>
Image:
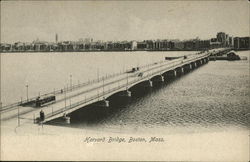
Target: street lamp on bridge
<point>27,92</point>
<point>70,82</point>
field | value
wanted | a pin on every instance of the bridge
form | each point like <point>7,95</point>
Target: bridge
<point>97,92</point>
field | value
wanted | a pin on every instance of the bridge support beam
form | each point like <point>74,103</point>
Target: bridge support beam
<point>125,93</point>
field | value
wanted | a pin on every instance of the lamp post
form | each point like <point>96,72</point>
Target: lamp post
<point>70,82</point>
<point>18,115</point>
<point>27,92</point>
<point>98,74</point>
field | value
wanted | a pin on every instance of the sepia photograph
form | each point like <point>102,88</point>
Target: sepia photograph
<point>125,80</point>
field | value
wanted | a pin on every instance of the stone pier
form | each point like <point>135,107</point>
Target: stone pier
<point>170,74</point>
<point>102,103</point>
<point>146,84</point>
<point>125,93</point>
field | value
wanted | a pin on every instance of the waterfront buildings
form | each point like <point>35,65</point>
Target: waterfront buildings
<point>222,40</point>
<point>241,43</point>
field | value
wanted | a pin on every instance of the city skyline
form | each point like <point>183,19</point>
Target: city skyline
<point>116,21</point>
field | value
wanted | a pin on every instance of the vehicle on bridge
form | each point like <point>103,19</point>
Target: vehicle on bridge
<point>134,70</point>
<point>140,74</point>
<point>44,101</point>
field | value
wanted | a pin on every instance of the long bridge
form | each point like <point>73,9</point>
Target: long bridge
<point>97,92</point>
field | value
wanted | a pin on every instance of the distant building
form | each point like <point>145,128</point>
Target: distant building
<point>178,45</point>
<point>5,47</point>
<point>231,42</point>
<point>203,44</point>
<point>241,43</point>
<point>224,39</point>
<point>191,44</point>
<point>141,45</point>
<point>134,45</point>
<point>214,43</point>
<point>221,37</point>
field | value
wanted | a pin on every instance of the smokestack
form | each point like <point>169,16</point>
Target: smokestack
<point>56,38</point>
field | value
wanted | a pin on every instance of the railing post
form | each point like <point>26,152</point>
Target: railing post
<point>18,116</point>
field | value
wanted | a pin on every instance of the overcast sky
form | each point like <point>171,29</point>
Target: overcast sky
<point>124,20</point>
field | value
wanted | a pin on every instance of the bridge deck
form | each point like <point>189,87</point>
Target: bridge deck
<point>71,100</point>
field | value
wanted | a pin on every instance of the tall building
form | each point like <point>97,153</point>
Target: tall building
<point>134,45</point>
<point>231,41</point>
<point>242,42</point>
<point>221,37</point>
<point>56,38</point>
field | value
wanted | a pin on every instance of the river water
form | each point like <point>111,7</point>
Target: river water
<point>214,95</point>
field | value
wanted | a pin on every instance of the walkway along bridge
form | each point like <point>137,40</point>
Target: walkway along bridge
<point>97,93</point>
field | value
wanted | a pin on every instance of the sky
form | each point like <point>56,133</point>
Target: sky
<point>26,21</point>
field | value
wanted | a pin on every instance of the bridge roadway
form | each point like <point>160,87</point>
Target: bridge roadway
<point>71,100</point>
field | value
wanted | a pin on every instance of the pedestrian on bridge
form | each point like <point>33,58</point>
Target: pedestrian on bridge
<point>42,116</point>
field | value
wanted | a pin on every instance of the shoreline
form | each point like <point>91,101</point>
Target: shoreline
<point>93,51</point>
<point>109,51</point>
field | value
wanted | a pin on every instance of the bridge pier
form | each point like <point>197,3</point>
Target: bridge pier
<point>147,84</point>
<point>125,93</point>
<point>197,63</point>
<point>170,74</point>
<point>201,62</point>
<point>161,79</point>
<point>66,118</point>
<point>179,71</point>
<point>194,65</point>
<point>187,68</point>
<point>102,103</point>
<point>158,78</point>
<point>190,67</point>
<point>207,59</point>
